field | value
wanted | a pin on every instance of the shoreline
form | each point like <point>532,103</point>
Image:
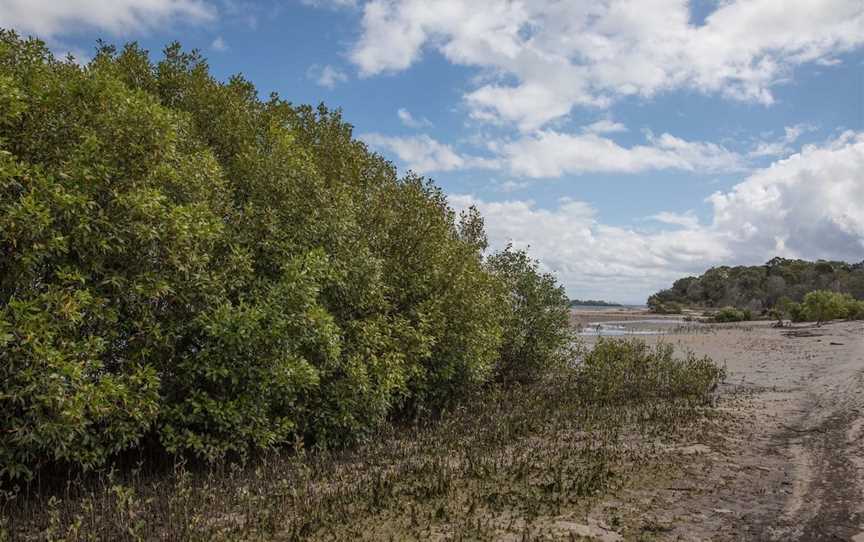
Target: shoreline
<point>787,463</point>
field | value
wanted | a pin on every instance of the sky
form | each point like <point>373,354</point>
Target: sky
<point>624,143</point>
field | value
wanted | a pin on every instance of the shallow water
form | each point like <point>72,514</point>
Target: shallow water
<point>645,326</point>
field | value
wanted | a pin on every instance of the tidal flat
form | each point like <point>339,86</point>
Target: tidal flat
<point>787,464</point>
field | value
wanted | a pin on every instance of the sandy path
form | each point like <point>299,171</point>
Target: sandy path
<point>792,466</point>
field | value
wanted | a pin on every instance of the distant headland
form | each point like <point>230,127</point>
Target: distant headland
<point>592,303</point>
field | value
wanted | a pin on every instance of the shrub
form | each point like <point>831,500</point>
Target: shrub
<point>185,264</point>
<point>855,309</point>
<point>537,333</point>
<point>623,371</point>
<point>823,305</point>
<point>731,314</point>
<point>778,315</point>
<point>110,219</point>
<point>669,307</point>
<point>796,312</point>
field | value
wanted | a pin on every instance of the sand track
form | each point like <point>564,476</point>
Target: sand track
<point>790,466</point>
<point>825,445</point>
<point>805,416</point>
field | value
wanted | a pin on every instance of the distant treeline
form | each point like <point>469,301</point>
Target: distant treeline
<point>592,303</point>
<point>186,266</point>
<point>759,288</point>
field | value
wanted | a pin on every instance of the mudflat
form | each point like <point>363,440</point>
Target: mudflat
<point>789,462</point>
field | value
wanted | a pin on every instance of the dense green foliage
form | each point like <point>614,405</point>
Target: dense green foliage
<point>731,314</point>
<point>821,306</point>
<point>185,264</point>
<point>759,288</point>
<point>537,332</point>
<point>666,307</point>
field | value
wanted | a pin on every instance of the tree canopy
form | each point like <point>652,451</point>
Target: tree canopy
<point>760,287</point>
<point>186,264</point>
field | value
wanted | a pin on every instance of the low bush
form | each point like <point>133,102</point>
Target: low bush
<point>796,312</point>
<point>669,307</point>
<point>824,305</point>
<point>617,371</point>
<point>821,306</point>
<point>855,309</point>
<point>731,314</point>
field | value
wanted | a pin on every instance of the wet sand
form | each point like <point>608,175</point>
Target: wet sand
<point>789,464</point>
<point>620,322</point>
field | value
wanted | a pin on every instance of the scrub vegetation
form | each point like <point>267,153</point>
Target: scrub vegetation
<point>507,460</point>
<point>731,314</point>
<point>821,306</point>
<point>760,288</point>
<point>222,316</point>
<point>189,267</point>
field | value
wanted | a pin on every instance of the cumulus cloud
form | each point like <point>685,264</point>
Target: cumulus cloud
<point>783,145</point>
<point>49,18</point>
<point>605,126</point>
<point>410,121</point>
<point>591,258</point>
<point>510,186</point>
<point>423,154</point>
<point>332,4</point>
<point>547,154</point>
<point>553,154</point>
<point>808,205</point>
<point>687,220</point>
<point>539,59</point>
<point>219,44</point>
<point>326,76</point>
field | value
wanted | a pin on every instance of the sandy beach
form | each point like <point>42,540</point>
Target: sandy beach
<point>789,463</point>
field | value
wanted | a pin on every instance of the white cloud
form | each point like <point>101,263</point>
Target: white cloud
<point>246,12</point>
<point>541,58</point>
<point>605,126</point>
<point>590,258</point>
<point>781,146</point>
<point>408,119</point>
<point>511,186</point>
<point>424,154</point>
<point>219,44</point>
<point>687,220</point>
<point>47,18</point>
<point>332,4</point>
<point>326,76</point>
<point>808,205</point>
<point>553,154</point>
<point>811,204</point>
<point>829,61</point>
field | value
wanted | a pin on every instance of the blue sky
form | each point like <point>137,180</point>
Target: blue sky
<point>625,142</point>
